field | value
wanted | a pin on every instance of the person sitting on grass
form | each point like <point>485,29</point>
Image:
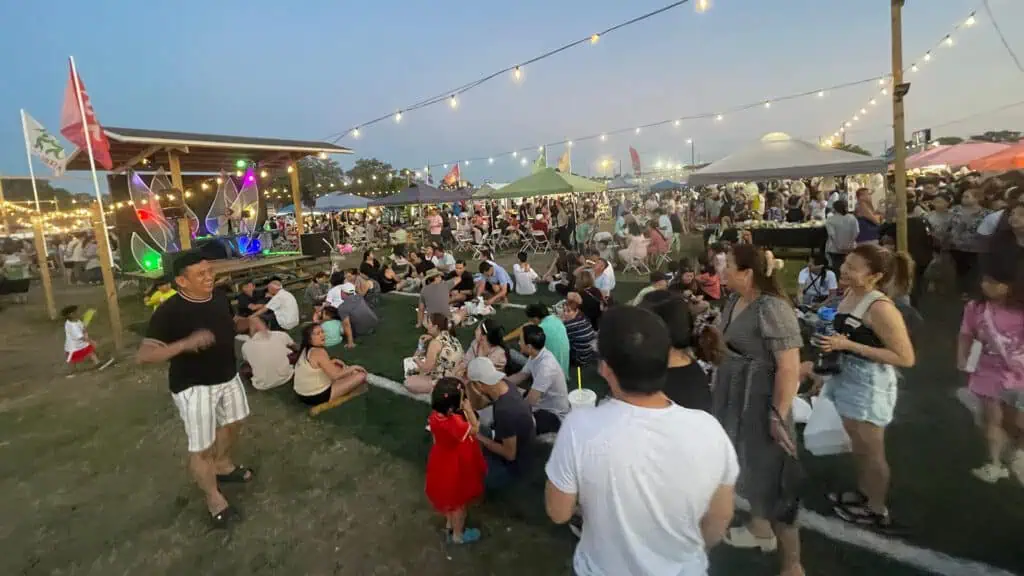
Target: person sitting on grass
<point>658,282</point>
<point>77,344</point>
<point>162,290</point>
<point>488,342</point>
<point>316,292</point>
<point>582,337</point>
<point>455,466</point>
<point>414,278</point>
<point>548,393</point>
<point>464,286</point>
<point>318,377</point>
<point>267,354</point>
<point>366,287</point>
<point>508,444</point>
<point>330,323</point>
<point>495,282</point>
<point>525,276</point>
<point>281,312</point>
<point>248,302</point>
<point>357,318</point>
<point>441,359</point>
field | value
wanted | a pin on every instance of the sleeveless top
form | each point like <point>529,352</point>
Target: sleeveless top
<point>852,324</point>
<point>309,380</point>
<point>868,231</point>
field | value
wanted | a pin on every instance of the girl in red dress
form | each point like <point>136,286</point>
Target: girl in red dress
<point>455,466</point>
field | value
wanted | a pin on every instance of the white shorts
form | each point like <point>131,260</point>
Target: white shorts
<point>203,409</point>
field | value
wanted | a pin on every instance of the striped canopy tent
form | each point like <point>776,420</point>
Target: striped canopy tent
<point>1011,158</point>
<point>548,182</point>
<point>955,156</point>
<point>419,193</point>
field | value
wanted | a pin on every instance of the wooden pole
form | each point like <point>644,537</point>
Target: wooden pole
<point>184,231</point>
<point>296,196</point>
<point>107,268</point>
<point>899,90</point>
<point>3,208</point>
<point>44,268</point>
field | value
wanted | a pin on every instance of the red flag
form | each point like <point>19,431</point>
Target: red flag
<point>452,177</point>
<point>71,123</point>
<point>636,161</point>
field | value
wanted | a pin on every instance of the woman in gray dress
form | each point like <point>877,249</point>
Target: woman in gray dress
<point>752,395</point>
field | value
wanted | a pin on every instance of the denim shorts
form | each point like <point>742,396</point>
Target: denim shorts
<point>1013,398</point>
<point>863,390</point>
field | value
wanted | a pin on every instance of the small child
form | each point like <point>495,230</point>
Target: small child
<point>456,465</point>
<point>76,340</point>
<point>991,350</point>
<point>161,292</point>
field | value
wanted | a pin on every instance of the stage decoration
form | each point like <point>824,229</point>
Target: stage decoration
<point>193,221</point>
<point>219,214</point>
<point>146,257</point>
<point>149,213</point>
<point>245,208</point>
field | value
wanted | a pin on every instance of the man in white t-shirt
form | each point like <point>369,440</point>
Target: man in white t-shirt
<point>267,354</point>
<point>604,277</point>
<point>282,310</point>
<point>654,481</point>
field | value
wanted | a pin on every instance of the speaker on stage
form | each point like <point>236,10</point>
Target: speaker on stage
<point>315,244</point>
<point>214,248</point>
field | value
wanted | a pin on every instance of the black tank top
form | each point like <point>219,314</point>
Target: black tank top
<point>852,324</point>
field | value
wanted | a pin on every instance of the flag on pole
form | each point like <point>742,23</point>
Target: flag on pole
<point>542,161</point>
<point>453,176</point>
<point>636,161</point>
<point>44,145</point>
<point>71,123</point>
<point>565,163</point>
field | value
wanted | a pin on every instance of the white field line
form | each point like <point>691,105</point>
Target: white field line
<point>920,558</point>
<point>416,295</point>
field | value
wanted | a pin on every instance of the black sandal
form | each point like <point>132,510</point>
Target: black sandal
<point>848,498</point>
<point>223,518</point>
<point>237,476</point>
<point>864,516</point>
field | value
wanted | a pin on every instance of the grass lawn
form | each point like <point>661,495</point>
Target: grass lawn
<point>93,479</point>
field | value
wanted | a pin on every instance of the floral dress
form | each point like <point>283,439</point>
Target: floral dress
<point>448,358</point>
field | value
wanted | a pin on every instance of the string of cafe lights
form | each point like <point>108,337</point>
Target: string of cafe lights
<point>885,82</point>
<point>517,71</point>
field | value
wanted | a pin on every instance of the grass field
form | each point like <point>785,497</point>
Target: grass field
<point>93,480</point>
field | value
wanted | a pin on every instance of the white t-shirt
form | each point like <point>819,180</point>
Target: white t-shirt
<point>74,336</point>
<point>605,282</point>
<point>989,223</point>
<point>334,296</point>
<point>285,309</point>
<point>644,479</point>
<point>445,263</point>
<point>267,353</point>
<point>524,280</point>
<point>817,289</point>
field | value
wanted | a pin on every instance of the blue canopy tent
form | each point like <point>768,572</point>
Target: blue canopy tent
<point>289,209</point>
<point>666,185</point>
<point>338,201</point>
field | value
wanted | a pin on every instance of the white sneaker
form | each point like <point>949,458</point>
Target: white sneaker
<point>991,473</point>
<point>741,537</point>
<point>1017,466</point>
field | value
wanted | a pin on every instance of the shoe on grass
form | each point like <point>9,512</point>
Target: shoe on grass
<point>741,537</point>
<point>991,473</point>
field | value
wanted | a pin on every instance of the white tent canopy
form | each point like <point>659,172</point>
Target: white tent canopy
<point>777,155</point>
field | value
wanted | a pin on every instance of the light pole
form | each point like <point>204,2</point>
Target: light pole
<point>899,90</point>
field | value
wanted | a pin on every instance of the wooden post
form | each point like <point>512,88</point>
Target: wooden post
<point>3,208</point>
<point>296,195</point>
<point>44,268</point>
<point>109,284</point>
<point>898,128</point>
<point>184,231</point>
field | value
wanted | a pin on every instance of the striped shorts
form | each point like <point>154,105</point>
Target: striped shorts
<point>203,409</point>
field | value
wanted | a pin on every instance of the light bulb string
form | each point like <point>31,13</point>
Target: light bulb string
<point>443,96</point>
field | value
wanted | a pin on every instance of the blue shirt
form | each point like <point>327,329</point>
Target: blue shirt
<point>500,276</point>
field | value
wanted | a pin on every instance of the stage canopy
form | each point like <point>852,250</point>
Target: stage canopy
<point>337,202</point>
<point>547,182</point>
<point>955,156</point>
<point>621,183</point>
<point>1011,158</point>
<point>777,155</point>
<point>419,193</point>
<point>666,185</point>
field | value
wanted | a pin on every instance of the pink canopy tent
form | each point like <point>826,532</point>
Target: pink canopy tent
<point>916,159</point>
<point>955,156</point>
<point>1009,158</point>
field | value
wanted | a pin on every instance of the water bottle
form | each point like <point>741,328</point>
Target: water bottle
<point>420,348</point>
<point>826,362</point>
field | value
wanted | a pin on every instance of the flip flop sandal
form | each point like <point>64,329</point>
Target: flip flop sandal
<point>223,518</point>
<point>237,476</point>
<point>848,498</point>
<point>864,516</point>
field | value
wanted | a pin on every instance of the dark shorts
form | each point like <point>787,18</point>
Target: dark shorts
<point>316,399</point>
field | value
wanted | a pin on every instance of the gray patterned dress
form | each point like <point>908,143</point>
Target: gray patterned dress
<point>742,398</point>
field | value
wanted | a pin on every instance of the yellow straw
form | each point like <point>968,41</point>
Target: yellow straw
<point>579,378</point>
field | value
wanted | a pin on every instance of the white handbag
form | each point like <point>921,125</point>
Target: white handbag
<point>824,434</point>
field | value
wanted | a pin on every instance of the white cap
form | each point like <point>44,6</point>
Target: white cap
<point>348,288</point>
<point>482,370</point>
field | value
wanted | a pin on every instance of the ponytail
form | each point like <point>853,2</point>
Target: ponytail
<point>896,268</point>
<point>710,345</point>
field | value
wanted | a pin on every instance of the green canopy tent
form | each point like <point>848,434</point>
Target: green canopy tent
<point>487,190</point>
<point>547,182</point>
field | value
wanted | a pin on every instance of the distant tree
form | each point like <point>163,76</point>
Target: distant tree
<point>316,178</point>
<point>372,177</point>
<point>852,148</point>
<point>998,136</point>
<point>21,191</point>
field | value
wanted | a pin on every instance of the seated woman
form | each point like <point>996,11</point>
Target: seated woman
<point>370,266</point>
<point>488,342</point>
<point>441,359</point>
<point>318,377</point>
<point>592,301</point>
<point>636,249</point>
<point>387,280</point>
<point>657,244</point>
<point>330,323</point>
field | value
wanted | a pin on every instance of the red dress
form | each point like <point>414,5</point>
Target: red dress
<point>455,466</point>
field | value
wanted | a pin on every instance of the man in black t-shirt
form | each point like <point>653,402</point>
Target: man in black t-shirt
<point>464,285</point>
<point>194,331</point>
<point>248,302</point>
<point>508,446</point>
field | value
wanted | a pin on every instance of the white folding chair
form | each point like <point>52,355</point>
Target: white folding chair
<point>661,260</point>
<point>540,242</point>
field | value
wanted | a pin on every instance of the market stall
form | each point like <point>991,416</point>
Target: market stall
<point>548,182</point>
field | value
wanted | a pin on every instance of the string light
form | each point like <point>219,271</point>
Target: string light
<point>453,102</point>
<point>398,116</point>
<point>322,155</point>
<point>569,143</point>
<point>594,38</point>
<point>821,94</point>
<point>263,173</point>
<point>767,105</point>
<point>637,131</point>
<point>702,6</point>
<point>204,186</point>
<point>355,132</point>
<point>604,137</point>
<point>970,20</point>
<point>719,117</point>
<point>523,161</point>
<point>517,74</point>
<point>238,173</point>
<point>677,123</point>
<point>490,160</point>
<point>948,40</point>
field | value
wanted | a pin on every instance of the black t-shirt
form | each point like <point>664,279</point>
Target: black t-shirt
<point>689,387</point>
<point>177,318</point>
<point>423,266</point>
<point>465,282</point>
<point>244,300</point>
<point>513,417</point>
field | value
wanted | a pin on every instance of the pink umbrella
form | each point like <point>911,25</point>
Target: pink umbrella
<point>958,155</point>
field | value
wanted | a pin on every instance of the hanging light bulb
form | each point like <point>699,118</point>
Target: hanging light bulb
<point>522,161</point>
<point>445,166</point>
<point>359,181</point>
<point>453,102</point>
<point>873,102</point>
<point>719,118</point>
<point>238,173</point>
<point>604,137</point>
<point>569,143</point>
<point>515,153</point>
<point>677,123</point>
<point>398,116</point>
<point>948,40</point>
<point>702,6</point>
<point>594,38</point>
<point>373,177</point>
<point>540,148</point>
<point>355,132</point>
<point>927,56</point>
<point>490,160</point>
<point>863,110</point>
<point>881,81</point>
<point>204,186</point>
<point>689,140</point>
<point>517,73</point>
<point>914,68</point>
<point>637,131</point>
<point>970,20</point>
<point>848,124</point>
<point>467,162</point>
<point>263,173</point>
<point>884,92</point>
<point>855,117</point>
<point>767,104</point>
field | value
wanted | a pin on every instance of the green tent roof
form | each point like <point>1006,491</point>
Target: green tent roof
<point>547,182</point>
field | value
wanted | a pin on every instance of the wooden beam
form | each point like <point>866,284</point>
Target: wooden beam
<point>3,208</point>
<point>44,268</point>
<point>135,159</point>
<point>109,284</point>
<point>296,195</point>
<point>184,231</point>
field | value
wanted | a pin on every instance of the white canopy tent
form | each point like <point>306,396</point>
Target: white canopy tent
<point>777,155</point>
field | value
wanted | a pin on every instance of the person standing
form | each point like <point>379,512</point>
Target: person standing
<point>842,229</point>
<point>654,481</point>
<point>194,332</point>
<point>966,243</point>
